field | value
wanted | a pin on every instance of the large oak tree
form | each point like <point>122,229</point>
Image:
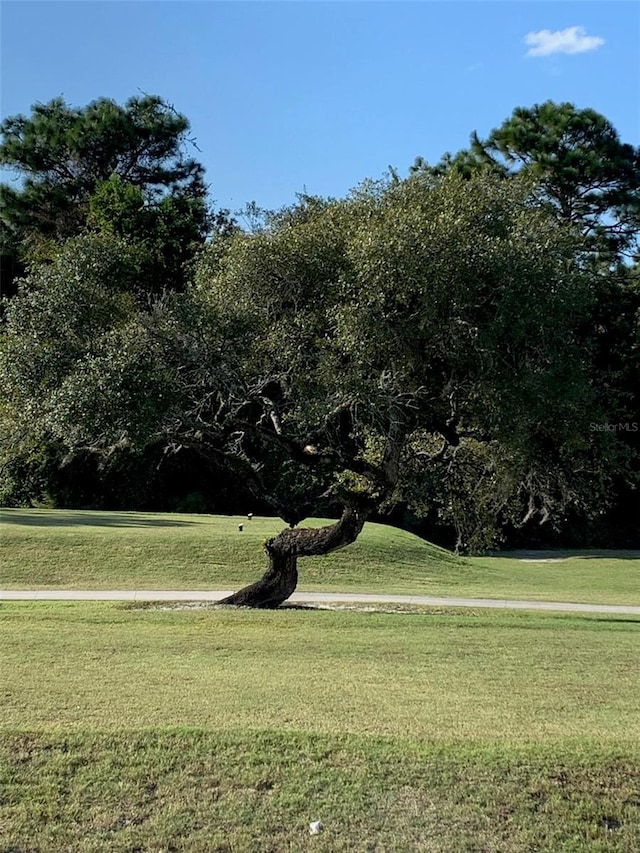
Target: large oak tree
<point>321,356</point>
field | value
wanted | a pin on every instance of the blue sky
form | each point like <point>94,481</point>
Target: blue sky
<point>320,95</point>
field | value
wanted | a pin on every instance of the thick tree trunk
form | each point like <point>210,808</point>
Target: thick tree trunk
<point>280,579</point>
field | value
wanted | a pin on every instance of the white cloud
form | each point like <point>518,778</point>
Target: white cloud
<point>571,40</point>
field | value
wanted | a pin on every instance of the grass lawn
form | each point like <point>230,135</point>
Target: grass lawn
<point>199,792</point>
<point>146,728</point>
<point>97,550</point>
<point>515,677</point>
<point>161,728</point>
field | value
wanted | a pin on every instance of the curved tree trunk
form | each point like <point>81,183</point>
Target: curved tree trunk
<point>280,579</point>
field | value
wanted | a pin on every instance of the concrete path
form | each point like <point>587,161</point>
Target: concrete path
<point>319,598</point>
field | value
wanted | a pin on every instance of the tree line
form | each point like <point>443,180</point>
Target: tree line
<point>457,350</point>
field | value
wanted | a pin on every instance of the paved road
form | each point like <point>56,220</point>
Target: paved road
<point>310,598</point>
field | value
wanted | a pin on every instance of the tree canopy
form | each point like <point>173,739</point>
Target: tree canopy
<point>586,173</point>
<point>120,167</point>
<point>446,345</point>
<point>324,355</point>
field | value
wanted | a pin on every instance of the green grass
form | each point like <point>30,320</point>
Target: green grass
<point>140,728</point>
<point>94,550</point>
<point>162,728</point>
<point>515,677</point>
<point>201,792</point>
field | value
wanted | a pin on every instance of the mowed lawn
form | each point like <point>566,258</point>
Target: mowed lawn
<point>43,549</point>
<point>130,727</point>
<point>161,728</point>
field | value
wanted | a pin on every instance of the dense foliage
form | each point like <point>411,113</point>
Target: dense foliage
<point>108,167</point>
<point>584,172</point>
<point>451,349</point>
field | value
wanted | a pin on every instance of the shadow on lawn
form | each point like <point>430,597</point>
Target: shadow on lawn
<point>87,518</point>
<point>599,554</point>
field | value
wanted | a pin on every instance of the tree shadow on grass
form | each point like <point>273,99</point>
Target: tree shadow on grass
<point>558,555</point>
<point>88,518</point>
